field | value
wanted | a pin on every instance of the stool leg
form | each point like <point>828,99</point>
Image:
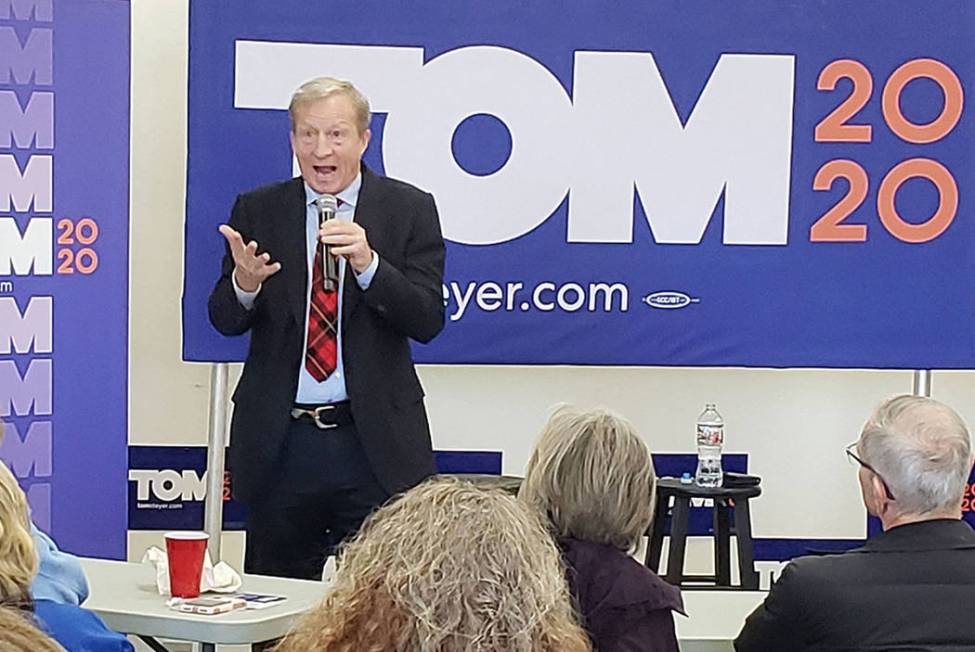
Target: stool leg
<point>656,543</point>
<point>746,555</point>
<point>722,543</point>
<point>678,539</point>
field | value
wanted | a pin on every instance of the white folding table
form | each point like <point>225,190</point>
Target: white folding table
<point>124,595</point>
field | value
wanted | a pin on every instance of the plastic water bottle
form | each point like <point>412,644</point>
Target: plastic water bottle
<point>710,439</point>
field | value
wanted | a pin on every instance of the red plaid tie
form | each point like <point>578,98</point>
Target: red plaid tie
<point>323,323</point>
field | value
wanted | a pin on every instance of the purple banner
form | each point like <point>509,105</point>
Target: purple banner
<point>64,170</point>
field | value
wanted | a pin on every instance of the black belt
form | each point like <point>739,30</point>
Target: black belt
<point>331,415</point>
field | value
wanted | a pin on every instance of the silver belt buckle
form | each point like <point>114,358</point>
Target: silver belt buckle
<point>317,414</point>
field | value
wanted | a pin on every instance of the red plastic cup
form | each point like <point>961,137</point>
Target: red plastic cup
<point>185,551</point>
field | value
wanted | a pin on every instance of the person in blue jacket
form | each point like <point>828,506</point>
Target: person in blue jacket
<point>60,577</point>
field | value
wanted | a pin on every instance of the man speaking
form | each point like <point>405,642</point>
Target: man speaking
<point>329,418</point>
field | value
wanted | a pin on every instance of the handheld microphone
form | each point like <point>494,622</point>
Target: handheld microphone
<point>327,205</point>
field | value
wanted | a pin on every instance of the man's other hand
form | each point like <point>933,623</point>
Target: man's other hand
<point>250,268</point>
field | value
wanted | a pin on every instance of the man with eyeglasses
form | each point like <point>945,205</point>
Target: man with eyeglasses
<point>911,587</point>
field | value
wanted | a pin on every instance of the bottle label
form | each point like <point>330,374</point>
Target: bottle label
<point>710,435</point>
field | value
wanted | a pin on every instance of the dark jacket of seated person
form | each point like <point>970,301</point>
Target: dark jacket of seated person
<point>623,604</point>
<point>910,588</point>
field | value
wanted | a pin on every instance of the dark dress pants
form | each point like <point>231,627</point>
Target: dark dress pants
<point>325,488</point>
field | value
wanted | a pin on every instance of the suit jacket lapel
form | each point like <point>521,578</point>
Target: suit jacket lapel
<point>293,254</point>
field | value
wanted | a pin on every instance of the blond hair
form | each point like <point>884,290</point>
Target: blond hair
<point>322,87</point>
<point>17,634</point>
<point>447,567</point>
<point>592,477</point>
<point>18,557</point>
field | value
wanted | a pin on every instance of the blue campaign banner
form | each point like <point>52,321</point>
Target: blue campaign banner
<point>64,229</point>
<point>693,182</point>
<point>968,500</point>
<point>167,485</point>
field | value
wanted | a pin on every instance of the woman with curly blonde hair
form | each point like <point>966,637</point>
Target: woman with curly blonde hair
<point>592,477</point>
<point>447,567</point>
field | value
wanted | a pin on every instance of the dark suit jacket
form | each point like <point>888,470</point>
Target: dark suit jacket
<point>624,606</point>
<point>910,588</point>
<point>403,301</point>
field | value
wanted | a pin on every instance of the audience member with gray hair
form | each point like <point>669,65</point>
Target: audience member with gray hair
<point>592,477</point>
<point>910,587</point>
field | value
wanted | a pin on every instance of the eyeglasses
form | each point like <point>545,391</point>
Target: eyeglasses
<point>854,459</point>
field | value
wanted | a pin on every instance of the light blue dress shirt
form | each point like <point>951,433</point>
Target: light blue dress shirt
<point>333,388</point>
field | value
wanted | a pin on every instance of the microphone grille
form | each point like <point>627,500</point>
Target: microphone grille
<point>327,203</point>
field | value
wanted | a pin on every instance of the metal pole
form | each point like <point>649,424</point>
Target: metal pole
<point>213,507</point>
<point>922,382</point>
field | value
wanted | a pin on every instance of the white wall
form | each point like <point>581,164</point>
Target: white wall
<point>794,424</point>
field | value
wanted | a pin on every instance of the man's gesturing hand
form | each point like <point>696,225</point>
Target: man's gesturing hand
<point>250,269</point>
<point>348,240</point>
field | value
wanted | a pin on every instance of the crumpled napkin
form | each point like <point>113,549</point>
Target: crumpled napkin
<point>220,578</point>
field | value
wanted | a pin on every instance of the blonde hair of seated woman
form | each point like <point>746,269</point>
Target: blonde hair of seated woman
<point>447,567</point>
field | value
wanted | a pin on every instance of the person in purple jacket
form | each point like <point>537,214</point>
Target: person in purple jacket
<point>593,478</point>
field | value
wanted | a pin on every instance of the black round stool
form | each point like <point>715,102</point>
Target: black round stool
<point>731,516</point>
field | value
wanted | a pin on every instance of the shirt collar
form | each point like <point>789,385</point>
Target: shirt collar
<point>349,196</point>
